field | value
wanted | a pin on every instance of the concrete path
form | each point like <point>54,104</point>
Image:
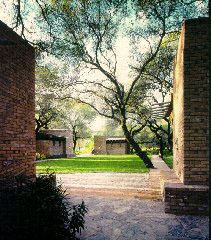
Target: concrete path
<point>108,184</point>
<point>158,163</point>
<point>118,210</point>
<point>105,180</point>
<point>134,219</point>
<point>141,185</point>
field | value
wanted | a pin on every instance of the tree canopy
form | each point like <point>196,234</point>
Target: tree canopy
<point>85,34</point>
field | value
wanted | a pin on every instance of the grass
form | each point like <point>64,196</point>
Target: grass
<point>168,156</point>
<point>168,159</point>
<point>97,163</point>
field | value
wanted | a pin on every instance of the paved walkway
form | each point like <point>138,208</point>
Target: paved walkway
<point>133,219</point>
<point>142,185</point>
<point>118,209</point>
<point>105,180</point>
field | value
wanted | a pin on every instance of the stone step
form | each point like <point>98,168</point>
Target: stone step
<point>145,193</point>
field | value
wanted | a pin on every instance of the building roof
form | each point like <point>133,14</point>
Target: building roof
<point>46,136</point>
<point>116,140</point>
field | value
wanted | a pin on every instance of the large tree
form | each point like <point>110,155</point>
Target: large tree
<point>84,34</point>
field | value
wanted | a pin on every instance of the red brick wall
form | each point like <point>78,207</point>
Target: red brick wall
<point>51,148</point>
<point>57,150</point>
<point>116,148</point>
<point>191,84</point>
<point>100,145</point>
<point>17,135</point>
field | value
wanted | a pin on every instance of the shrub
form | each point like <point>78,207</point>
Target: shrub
<point>40,156</point>
<point>41,210</point>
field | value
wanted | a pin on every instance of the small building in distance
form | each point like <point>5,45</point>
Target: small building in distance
<point>110,145</point>
<point>55,143</point>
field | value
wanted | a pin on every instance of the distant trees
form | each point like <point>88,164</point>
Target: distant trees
<point>77,117</point>
<point>56,113</point>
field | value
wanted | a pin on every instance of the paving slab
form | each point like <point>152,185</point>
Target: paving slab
<point>135,219</point>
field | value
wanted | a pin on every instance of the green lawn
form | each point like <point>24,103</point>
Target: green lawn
<point>168,159</point>
<point>97,163</point>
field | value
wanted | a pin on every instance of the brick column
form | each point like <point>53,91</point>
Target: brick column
<point>191,85</point>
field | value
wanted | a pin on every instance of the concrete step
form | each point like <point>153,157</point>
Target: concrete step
<point>145,193</point>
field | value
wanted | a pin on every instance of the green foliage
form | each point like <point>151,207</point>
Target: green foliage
<point>154,151</point>
<point>85,146</point>
<point>40,156</point>
<point>168,158</point>
<point>97,163</point>
<point>111,128</point>
<point>42,211</point>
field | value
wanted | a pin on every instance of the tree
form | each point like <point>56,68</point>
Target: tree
<point>84,34</point>
<point>161,134</point>
<point>46,107</point>
<point>77,117</point>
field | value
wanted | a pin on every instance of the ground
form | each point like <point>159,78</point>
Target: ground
<point>112,218</point>
<point>120,209</point>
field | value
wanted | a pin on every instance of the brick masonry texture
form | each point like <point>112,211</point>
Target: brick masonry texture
<point>17,104</point>
<point>191,85</point>
<point>183,199</point>
<point>65,149</point>
<point>51,148</point>
<point>101,147</point>
<point>185,191</point>
<point>180,198</point>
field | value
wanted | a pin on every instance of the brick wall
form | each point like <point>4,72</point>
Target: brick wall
<point>17,124</point>
<point>116,148</point>
<point>191,84</point>
<point>68,149</point>
<point>51,148</point>
<point>100,145</point>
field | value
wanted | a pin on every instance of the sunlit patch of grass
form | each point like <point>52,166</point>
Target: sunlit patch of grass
<point>96,163</point>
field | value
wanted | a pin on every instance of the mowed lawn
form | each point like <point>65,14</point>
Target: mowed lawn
<point>95,163</point>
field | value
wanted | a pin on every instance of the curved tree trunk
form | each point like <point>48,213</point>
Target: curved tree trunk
<point>136,147</point>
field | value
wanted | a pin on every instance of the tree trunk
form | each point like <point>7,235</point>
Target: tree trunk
<point>136,147</point>
<point>74,139</point>
<point>170,143</point>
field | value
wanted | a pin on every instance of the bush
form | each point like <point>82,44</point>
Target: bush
<point>40,156</point>
<point>41,211</point>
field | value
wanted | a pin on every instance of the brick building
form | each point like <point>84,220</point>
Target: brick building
<point>110,145</point>
<point>55,143</point>
<point>186,189</point>
<point>17,105</point>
